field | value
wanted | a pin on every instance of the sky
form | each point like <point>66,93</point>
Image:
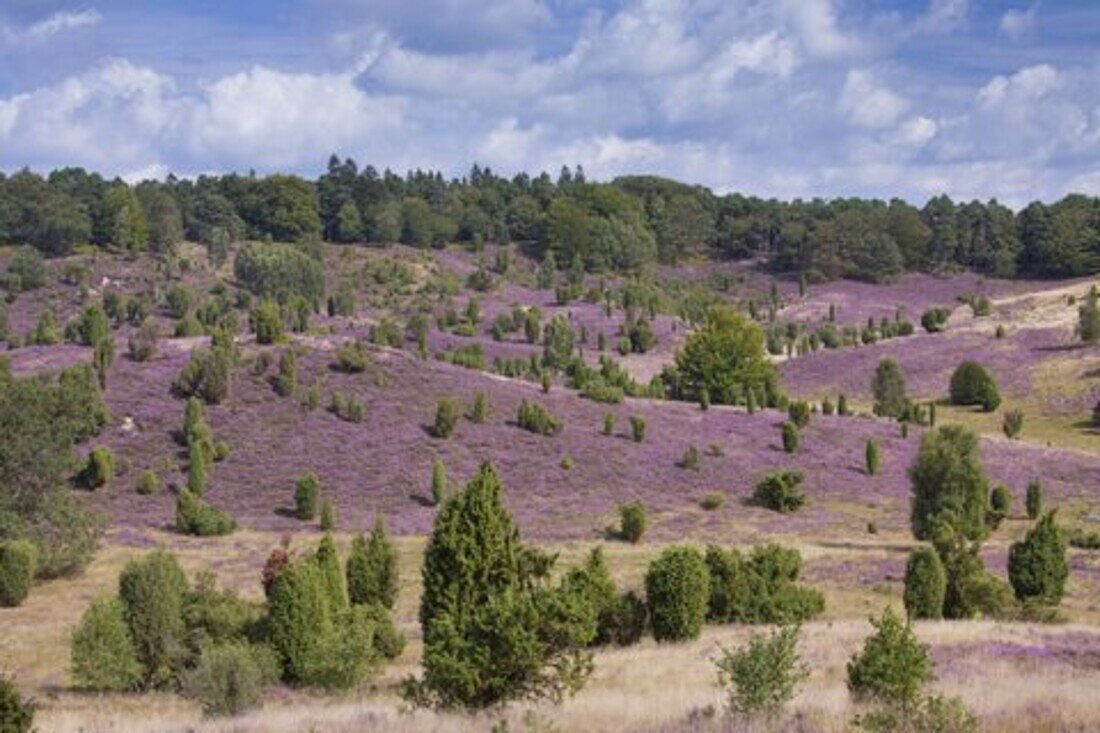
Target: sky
<point>787,99</point>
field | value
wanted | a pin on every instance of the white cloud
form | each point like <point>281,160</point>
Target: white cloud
<point>59,22</point>
<point>1017,23</point>
<point>868,104</point>
<point>817,26</point>
<point>943,16</point>
<point>1030,83</point>
<point>916,131</point>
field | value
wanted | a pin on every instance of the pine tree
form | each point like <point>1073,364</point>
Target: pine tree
<point>872,457</point>
<point>1037,565</point>
<point>327,560</point>
<point>372,569</point>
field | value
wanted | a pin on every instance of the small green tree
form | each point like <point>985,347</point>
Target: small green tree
<point>439,481</point>
<point>677,589</point>
<point>788,431</point>
<point>950,489</point>
<point>328,515</point>
<point>1034,500</point>
<point>228,679</point>
<point>1088,318</point>
<point>267,322</point>
<point>16,712</point>
<point>799,413</point>
<point>18,564</point>
<point>480,411</point>
<point>152,591</point>
<point>925,584</point>
<point>287,378</point>
<point>892,665</point>
<point>327,560</point>
<point>872,457</point>
<point>972,384</point>
<point>446,418</point>
<point>637,428</point>
<point>762,677</point>
<point>1013,423</point>
<point>306,496</point>
<point>102,651</point>
<point>779,491</point>
<point>372,569</point>
<point>608,423</point>
<point>888,387</point>
<point>1000,505</point>
<point>632,521</point>
<point>1037,565</point>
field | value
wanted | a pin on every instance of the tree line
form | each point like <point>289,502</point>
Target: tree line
<point>619,226</point>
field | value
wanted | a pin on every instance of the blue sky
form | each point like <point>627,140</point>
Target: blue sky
<point>789,98</point>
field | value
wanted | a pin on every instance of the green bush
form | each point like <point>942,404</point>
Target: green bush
<point>789,434</point>
<point>925,584</point>
<point>287,378</point>
<point>935,319</point>
<point>762,677</point>
<point>142,343</point>
<point>632,521</point>
<point>228,680</point>
<point>535,418</point>
<point>98,468</point>
<point>480,411</point>
<point>888,387</point>
<point>387,641</point>
<point>1037,565</point>
<point>18,565</point>
<point>102,650</point>
<point>196,517</point>
<point>152,590</point>
<point>799,412</point>
<point>712,501</point>
<point>690,459</point>
<point>207,374</point>
<point>928,714</point>
<point>279,271</point>
<point>760,588</point>
<point>608,423</point>
<point>446,418</point>
<point>677,588</point>
<point>592,582</point>
<point>16,713</point>
<point>372,569</point>
<point>779,491</point>
<point>637,428</point>
<point>1034,500</point>
<point>871,457</point>
<point>972,384</point>
<point>1013,423</point>
<point>352,358</point>
<point>267,322</point>
<point>327,560</point>
<point>328,516</point>
<point>892,665</point>
<point>306,497</point>
<point>971,591</point>
<point>148,483</point>
<point>1000,505</point>
<point>950,489</point>
<point>301,620</point>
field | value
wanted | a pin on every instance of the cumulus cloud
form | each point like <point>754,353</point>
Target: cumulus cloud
<point>1018,23</point>
<point>817,25</point>
<point>868,103</point>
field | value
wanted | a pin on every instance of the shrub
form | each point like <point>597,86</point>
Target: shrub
<point>827,407</point>
<point>287,378</point>
<point>677,588</point>
<point>196,474</point>
<point>760,588</point>
<point>1034,500</point>
<point>537,419</point>
<point>484,589</point>
<point>971,591</point>
<point>16,712</point>
<point>799,413</point>
<point>1000,505</point>
<point>892,665</point>
<point>637,428</point>
<point>328,516</point>
<point>26,270</point>
<point>608,423</point>
<point>788,432</point>
<point>598,390</point>
<point>207,374</point>
<point>328,561</point>
<point>592,583</point>
<point>152,591</point>
<point>690,459</point>
<point>779,491</point>
<point>934,319</point>
<point>301,620</point>
<point>228,680</point>
<point>352,358</point>
<point>871,457</point>
<point>196,517</point>
<point>148,483</point>
<point>306,495</point>
<point>888,387</point>
<point>842,406</point>
<point>1037,565</point>
<point>1088,318</point>
<point>725,355</point>
<point>279,271</point>
<point>446,418</point>
<point>267,322</point>
<point>632,521</point>
<point>972,384</point>
<point>950,490</point>
<point>102,651</point>
<point>439,482</point>
<point>712,501</point>
<point>18,564</point>
<point>761,678</point>
<point>480,411</point>
<point>98,468</point>
<point>925,584</point>
<point>372,569</point>
<point>143,342</point>
<point>387,333</point>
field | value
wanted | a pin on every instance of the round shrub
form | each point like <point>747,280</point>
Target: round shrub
<point>1000,504</point>
<point>148,483</point>
<point>632,521</point>
<point>18,564</point>
<point>779,491</point>
<point>228,680</point>
<point>267,322</point>
<point>892,664</point>
<point>152,591</point>
<point>925,584</point>
<point>799,413</point>
<point>143,342</point>
<point>102,650</point>
<point>637,428</point>
<point>446,418</point>
<point>1037,565</point>
<point>99,468</point>
<point>196,517</point>
<point>972,384</point>
<point>677,589</point>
